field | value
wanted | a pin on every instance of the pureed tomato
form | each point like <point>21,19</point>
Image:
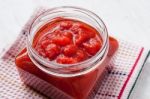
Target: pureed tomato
<point>67,41</point>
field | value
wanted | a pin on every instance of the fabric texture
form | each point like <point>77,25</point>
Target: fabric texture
<point>127,63</point>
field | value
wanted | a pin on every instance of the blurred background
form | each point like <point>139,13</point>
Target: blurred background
<point>125,19</point>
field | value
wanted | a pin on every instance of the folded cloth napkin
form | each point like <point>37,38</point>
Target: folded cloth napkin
<point>118,84</point>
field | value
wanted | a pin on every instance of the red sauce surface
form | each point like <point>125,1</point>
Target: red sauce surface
<point>67,41</point>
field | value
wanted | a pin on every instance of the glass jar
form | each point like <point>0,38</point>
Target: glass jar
<point>65,81</point>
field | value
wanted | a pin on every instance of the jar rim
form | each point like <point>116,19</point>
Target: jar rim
<point>46,62</point>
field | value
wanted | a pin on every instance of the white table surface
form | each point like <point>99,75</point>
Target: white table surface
<point>125,19</point>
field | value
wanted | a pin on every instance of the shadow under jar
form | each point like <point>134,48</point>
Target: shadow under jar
<point>68,49</point>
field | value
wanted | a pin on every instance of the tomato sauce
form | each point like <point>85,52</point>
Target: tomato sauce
<point>66,41</point>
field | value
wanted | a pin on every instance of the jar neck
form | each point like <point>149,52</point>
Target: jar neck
<point>68,70</point>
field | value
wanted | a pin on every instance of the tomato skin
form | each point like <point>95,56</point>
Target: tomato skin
<point>68,34</point>
<point>62,40</point>
<point>70,50</point>
<point>92,46</point>
<point>65,25</point>
<point>81,55</point>
<point>52,50</point>
<point>65,60</point>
